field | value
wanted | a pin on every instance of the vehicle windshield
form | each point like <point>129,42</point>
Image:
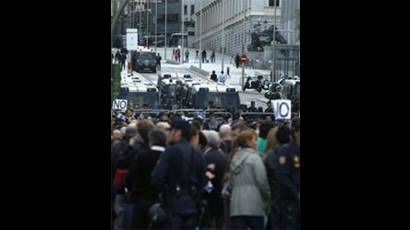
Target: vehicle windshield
<point>219,100</point>
<point>147,55</point>
<point>138,99</point>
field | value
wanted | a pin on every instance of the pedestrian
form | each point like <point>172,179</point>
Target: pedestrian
<point>178,55</point>
<point>236,129</point>
<point>252,64</point>
<point>195,130</point>
<point>197,52</point>
<point>221,77</point>
<point>180,176</point>
<point>264,129</point>
<point>212,123</point>
<point>118,56</point>
<point>237,60</point>
<point>121,161</point>
<point>213,76</point>
<point>159,61</point>
<point>269,109</point>
<point>227,71</point>
<point>288,168</point>
<point>204,56</point>
<point>213,56</point>
<point>270,159</point>
<point>226,140</point>
<point>142,193</point>
<point>187,55</point>
<point>123,58</point>
<point>248,176</point>
<point>252,108</point>
<point>215,162</point>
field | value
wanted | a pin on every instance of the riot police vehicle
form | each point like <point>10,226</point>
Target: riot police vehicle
<point>139,92</point>
<point>215,96</point>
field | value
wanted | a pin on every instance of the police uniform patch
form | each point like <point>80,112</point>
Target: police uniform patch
<point>296,162</point>
<point>296,159</point>
<point>282,160</point>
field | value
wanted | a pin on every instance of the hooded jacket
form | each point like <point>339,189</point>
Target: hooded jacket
<point>248,185</point>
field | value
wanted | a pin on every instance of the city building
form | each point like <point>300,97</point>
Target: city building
<point>241,18</point>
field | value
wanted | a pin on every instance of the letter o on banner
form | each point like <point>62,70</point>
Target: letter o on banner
<point>119,104</point>
<point>282,109</point>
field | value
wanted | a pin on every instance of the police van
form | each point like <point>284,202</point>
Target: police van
<point>291,88</point>
<point>139,92</point>
<point>144,60</point>
<point>215,96</point>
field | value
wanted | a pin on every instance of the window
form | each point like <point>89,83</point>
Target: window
<point>191,33</point>
<point>185,9</point>
<point>271,2</point>
<point>173,18</point>
<point>192,9</point>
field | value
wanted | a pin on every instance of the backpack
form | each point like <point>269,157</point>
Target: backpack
<point>120,178</point>
<point>122,161</point>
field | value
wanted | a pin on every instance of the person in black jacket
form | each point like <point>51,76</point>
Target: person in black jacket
<point>237,60</point>
<point>277,137</point>
<point>212,123</point>
<point>269,109</point>
<point>180,176</point>
<point>139,177</point>
<point>215,162</point>
<point>288,168</point>
<point>213,76</point>
<point>121,161</point>
<point>203,56</point>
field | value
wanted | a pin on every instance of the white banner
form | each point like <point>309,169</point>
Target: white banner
<point>132,39</point>
<point>120,104</point>
<point>282,109</point>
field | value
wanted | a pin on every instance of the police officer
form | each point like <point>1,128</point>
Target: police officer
<point>269,109</point>
<point>180,176</point>
<point>253,107</point>
<point>288,167</point>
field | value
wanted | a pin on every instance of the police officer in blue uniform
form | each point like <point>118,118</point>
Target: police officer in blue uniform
<point>180,176</point>
<point>288,167</point>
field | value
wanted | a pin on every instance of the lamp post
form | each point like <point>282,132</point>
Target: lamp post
<point>273,43</point>
<point>200,34</point>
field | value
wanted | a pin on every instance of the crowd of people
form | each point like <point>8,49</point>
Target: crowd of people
<point>169,173</point>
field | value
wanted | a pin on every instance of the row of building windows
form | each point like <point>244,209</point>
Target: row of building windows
<point>186,9</point>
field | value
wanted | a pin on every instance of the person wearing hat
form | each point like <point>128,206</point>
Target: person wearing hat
<point>180,177</point>
<point>288,167</point>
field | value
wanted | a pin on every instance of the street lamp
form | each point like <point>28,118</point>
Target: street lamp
<point>140,23</point>
<point>156,21</point>
<point>182,32</point>
<point>200,34</point>
<point>273,43</point>
<point>223,35</point>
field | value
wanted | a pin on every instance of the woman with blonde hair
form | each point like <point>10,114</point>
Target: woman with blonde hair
<point>271,142</point>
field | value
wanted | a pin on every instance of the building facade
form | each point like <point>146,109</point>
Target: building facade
<point>176,8</point>
<point>240,17</point>
<point>289,26</point>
